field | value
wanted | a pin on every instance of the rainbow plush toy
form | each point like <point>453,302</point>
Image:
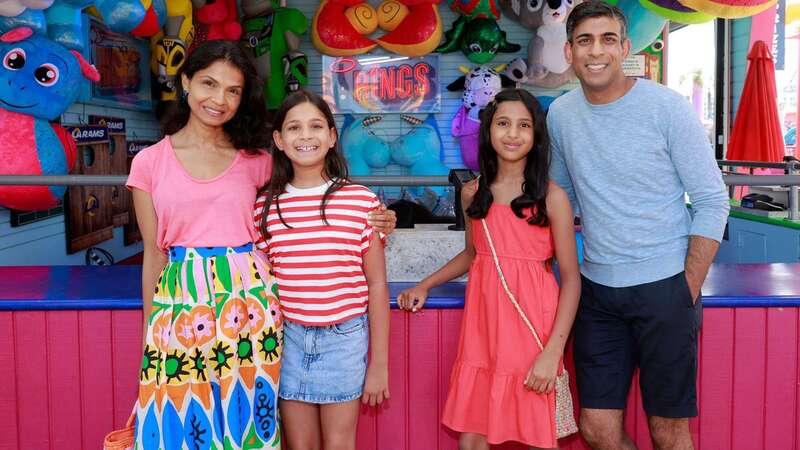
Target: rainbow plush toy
<point>729,9</point>
<point>39,79</point>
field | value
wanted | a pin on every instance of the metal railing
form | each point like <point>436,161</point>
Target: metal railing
<point>791,179</point>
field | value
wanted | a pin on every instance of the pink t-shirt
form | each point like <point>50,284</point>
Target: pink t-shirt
<point>200,213</point>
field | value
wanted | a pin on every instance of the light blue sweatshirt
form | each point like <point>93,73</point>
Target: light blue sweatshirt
<point>625,166</point>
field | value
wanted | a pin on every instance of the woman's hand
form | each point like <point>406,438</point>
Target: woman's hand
<point>382,219</point>
<point>542,374</point>
<point>376,385</point>
<point>412,299</point>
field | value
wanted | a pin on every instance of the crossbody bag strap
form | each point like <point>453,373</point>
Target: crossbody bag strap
<point>505,286</point>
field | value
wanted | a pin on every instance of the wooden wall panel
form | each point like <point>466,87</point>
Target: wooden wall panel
<point>70,377</point>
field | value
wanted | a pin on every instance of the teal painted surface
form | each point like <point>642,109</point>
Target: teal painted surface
<point>740,42</point>
<point>751,242</point>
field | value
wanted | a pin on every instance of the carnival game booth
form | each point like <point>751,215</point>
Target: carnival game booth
<point>406,79</point>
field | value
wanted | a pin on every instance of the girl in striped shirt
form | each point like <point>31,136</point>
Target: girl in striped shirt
<point>330,268</point>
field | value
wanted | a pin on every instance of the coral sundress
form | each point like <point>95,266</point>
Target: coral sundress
<point>487,394</point>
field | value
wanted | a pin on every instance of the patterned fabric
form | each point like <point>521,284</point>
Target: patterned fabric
<point>318,265</point>
<point>211,362</point>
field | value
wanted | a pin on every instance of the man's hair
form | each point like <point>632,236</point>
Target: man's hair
<point>595,8</point>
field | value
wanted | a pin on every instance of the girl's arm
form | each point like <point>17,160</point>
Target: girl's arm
<point>154,259</point>
<point>414,298</point>
<point>559,212</point>
<point>376,384</point>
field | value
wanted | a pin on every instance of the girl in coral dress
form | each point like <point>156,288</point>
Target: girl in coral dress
<point>502,384</point>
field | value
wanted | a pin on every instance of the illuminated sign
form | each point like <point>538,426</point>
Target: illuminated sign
<point>369,84</point>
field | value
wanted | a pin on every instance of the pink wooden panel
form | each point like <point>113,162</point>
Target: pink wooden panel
<point>422,378</point>
<point>126,346</point>
<point>94,330</point>
<point>63,361</point>
<point>716,378</point>
<point>449,332</point>
<point>749,364</point>
<point>77,379</point>
<point>8,394</point>
<point>781,378</point>
<point>33,407</point>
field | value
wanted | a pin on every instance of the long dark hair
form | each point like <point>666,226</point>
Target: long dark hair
<point>247,130</point>
<point>283,172</point>
<point>537,162</point>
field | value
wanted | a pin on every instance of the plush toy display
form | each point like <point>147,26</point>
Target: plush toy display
<point>479,39</point>
<point>220,18</point>
<point>169,48</point>
<point>480,85</point>
<point>340,27</point>
<point>674,11</point>
<point>13,8</point>
<point>546,66</point>
<point>272,34</point>
<point>39,79</point>
<point>419,151</point>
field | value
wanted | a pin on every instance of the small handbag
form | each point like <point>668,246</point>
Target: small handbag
<point>565,418</point>
<point>123,438</point>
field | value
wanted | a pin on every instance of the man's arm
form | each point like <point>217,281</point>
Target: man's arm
<point>697,169</point>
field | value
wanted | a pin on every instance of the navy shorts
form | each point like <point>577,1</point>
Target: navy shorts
<point>653,326</point>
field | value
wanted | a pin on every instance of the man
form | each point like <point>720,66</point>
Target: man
<point>627,151</point>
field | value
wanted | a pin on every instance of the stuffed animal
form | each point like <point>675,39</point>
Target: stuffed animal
<point>39,80</point>
<point>674,11</point>
<point>478,39</point>
<point>419,151</point>
<point>142,18</point>
<point>340,27</point>
<point>13,8</point>
<point>546,66</point>
<point>480,85</point>
<point>169,48</point>
<point>272,34</point>
<point>220,18</point>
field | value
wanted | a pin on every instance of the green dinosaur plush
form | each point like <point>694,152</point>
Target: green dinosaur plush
<point>271,32</point>
<point>479,39</point>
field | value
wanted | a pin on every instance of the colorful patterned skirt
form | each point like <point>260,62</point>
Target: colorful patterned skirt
<point>211,363</point>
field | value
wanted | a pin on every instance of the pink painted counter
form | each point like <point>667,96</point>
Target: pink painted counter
<point>71,337</point>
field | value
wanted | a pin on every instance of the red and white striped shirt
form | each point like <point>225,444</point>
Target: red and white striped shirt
<point>319,267</point>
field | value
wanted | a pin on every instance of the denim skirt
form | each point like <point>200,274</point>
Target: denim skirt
<point>324,364</point>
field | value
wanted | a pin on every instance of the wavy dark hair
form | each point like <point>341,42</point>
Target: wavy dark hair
<point>282,171</point>
<point>247,129</point>
<point>537,163</point>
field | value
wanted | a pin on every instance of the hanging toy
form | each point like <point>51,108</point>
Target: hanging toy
<point>546,65</point>
<point>65,25</point>
<point>478,39</point>
<point>169,48</point>
<point>480,85</point>
<point>220,18</point>
<point>272,34</point>
<point>39,80</point>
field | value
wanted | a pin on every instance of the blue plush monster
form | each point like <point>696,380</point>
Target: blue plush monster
<point>39,79</point>
<point>419,150</point>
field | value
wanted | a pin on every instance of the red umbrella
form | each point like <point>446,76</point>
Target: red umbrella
<point>756,134</point>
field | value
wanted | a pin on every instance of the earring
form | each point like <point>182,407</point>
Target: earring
<point>185,95</point>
